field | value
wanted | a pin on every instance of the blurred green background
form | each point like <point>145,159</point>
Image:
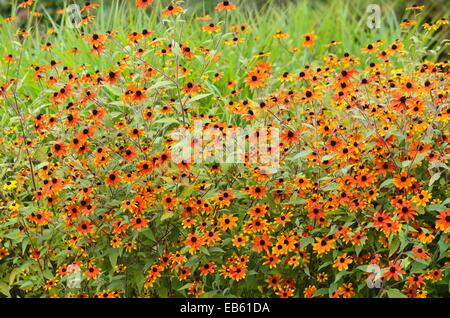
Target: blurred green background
<point>433,7</point>
<point>334,19</point>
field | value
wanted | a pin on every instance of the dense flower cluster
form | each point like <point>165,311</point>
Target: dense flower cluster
<point>95,206</point>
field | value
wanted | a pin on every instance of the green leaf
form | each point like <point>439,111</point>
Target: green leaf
<point>305,241</point>
<point>148,233</point>
<point>187,191</point>
<point>306,269</point>
<point>216,249</point>
<point>406,163</point>
<point>395,293</point>
<point>330,187</point>
<point>297,201</point>
<point>4,289</point>
<point>13,274</point>
<point>166,120</point>
<point>343,171</point>
<point>386,183</point>
<point>434,178</point>
<point>340,275</point>
<point>198,97</point>
<point>301,154</point>
<point>358,249</point>
<point>395,244</point>
<point>162,84</point>
<point>185,249</point>
<point>435,207</point>
<point>186,286</point>
<point>324,265</point>
<point>113,255</point>
<point>166,215</point>
<point>204,250</point>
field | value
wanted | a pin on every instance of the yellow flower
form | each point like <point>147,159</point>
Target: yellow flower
<point>426,237</point>
<point>442,21</point>
<point>52,31</point>
<point>280,35</point>
<point>322,277</point>
<point>430,27</point>
<point>10,185</point>
<point>323,245</point>
<point>120,268</point>
<point>342,262</point>
<point>309,291</point>
<point>415,7</point>
<point>407,23</point>
<point>421,293</point>
<point>422,198</point>
<point>3,253</point>
<point>14,206</point>
<point>129,246</point>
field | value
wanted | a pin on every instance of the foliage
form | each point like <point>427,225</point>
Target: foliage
<point>92,203</point>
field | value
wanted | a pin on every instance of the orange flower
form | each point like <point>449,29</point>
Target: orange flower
<point>271,260</point>
<point>9,58</point>
<point>227,222</point>
<point>207,268</point>
<point>254,80</point>
<point>113,178</point>
<point>420,252</point>
<point>194,241</point>
<point>261,243</point>
<point>225,5</point>
<point>50,283</point>
<point>239,240</point>
<point>256,192</point>
<point>225,198</point>
<point>309,291</point>
<point>290,136</point>
<point>113,76</point>
<point>211,28</point>
<point>342,262</point>
<point>169,201</point>
<point>26,4</point>
<point>323,245</point>
<point>143,4</point>
<point>139,223</point>
<point>92,272</point>
<point>443,220</point>
<point>89,6</point>
<point>346,290</point>
<point>402,181</point>
<point>237,272</point>
<point>59,149</point>
<point>308,39</point>
<point>286,292</point>
<point>394,270</point>
<point>3,253</point>
<point>274,281</point>
<point>173,10</point>
<point>187,52</point>
<point>144,167</point>
<point>85,227</point>
<point>129,154</point>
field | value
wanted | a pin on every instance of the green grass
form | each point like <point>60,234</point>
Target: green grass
<point>342,21</point>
